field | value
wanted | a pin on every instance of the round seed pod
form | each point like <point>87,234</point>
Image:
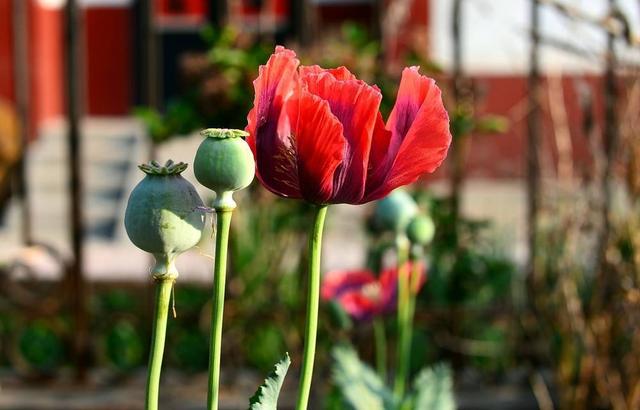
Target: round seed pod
<point>224,163</point>
<point>421,230</point>
<point>163,215</point>
<point>395,211</point>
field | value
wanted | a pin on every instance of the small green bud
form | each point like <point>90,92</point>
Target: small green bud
<point>394,212</point>
<point>421,230</point>
<point>224,163</point>
<point>162,215</point>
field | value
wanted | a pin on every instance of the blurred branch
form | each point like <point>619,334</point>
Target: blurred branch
<point>562,132</point>
<point>394,19</point>
<point>541,392</point>
<point>615,23</point>
<point>469,347</point>
<point>533,142</point>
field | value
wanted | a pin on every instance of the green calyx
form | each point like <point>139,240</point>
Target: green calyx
<point>421,230</point>
<point>224,163</point>
<point>169,168</point>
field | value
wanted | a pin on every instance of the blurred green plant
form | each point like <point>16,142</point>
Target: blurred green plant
<point>586,318</point>
<point>189,349</point>
<point>360,387</point>
<point>40,348</point>
<point>217,86</point>
<point>124,346</point>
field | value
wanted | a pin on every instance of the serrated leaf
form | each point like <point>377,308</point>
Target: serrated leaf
<point>360,386</point>
<point>433,389</point>
<point>266,397</point>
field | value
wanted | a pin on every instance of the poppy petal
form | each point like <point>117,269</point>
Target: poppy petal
<point>340,73</point>
<point>420,136</point>
<point>276,82</point>
<point>359,306</point>
<point>319,144</point>
<point>335,283</point>
<point>355,104</point>
<point>376,170</point>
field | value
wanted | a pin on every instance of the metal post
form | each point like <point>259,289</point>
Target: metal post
<point>460,143</point>
<point>78,286</point>
<point>150,61</point>
<point>610,142</point>
<point>533,142</point>
<point>21,78</point>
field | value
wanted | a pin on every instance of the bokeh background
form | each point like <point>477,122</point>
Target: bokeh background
<point>533,292</point>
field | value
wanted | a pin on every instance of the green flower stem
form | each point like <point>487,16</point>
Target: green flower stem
<point>223,223</point>
<point>163,296</point>
<point>313,301</point>
<point>415,279</point>
<point>403,353</point>
<point>381,348</point>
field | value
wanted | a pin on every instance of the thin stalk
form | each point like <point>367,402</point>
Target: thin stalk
<point>313,301</point>
<point>411,310</point>
<point>404,332</point>
<point>163,296</point>
<point>413,285</point>
<point>381,348</point>
<point>223,223</point>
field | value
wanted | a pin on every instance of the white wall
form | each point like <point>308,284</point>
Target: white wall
<point>495,35</point>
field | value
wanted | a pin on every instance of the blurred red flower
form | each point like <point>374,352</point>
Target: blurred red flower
<point>317,133</point>
<point>362,295</point>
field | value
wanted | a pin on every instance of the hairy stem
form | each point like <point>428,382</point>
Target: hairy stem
<point>313,300</point>
<point>163,296</point>
<point>223,223</point>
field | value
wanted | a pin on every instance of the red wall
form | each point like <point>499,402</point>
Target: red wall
<point>108,60</point>
<point>503,155</point>
<point>46,60</point>
<point>6,51</point>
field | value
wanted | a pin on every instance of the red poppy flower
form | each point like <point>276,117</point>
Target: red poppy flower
<point>317,133</point>
<point>362,295</point>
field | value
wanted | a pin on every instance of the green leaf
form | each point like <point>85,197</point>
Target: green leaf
<point>433,389</point>
<point>360,386</point>
<point>266,397</point>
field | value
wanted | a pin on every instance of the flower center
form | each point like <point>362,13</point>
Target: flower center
<point>372,291</point>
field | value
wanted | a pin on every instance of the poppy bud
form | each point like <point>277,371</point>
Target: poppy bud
<point>224,163</point>
<point>394,212</point>
<point>421,230</point>
<point>162,215</point>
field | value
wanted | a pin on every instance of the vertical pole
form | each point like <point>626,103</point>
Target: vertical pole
<point>78,286</point>
<point>533,141</point>
<point>21,78</point>
<point>456,33</point>
<point>218,13</point>
<point>610,142</point>
<point>458,146</point>
<point>301,24</point>
<point>150,61</point>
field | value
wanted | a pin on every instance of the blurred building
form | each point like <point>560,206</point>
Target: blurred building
<point>495,47</point>
<point>113,43</point>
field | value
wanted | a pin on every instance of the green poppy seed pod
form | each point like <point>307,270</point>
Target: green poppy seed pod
<point>395,211</point>
<point>162,215</point>
<point>421,230</point>
<point>224,163</point>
